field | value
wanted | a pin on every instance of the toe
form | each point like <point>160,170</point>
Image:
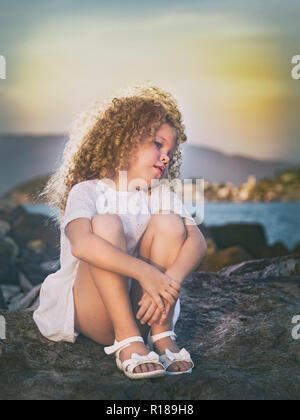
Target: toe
<point>137,369</point>
<point>180,367</point>
<point>150,367</point>
<point>145,368</point>
<point>184,366</point>
<point>173,367</point>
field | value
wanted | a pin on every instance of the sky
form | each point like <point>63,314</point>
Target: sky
<point>227,62</point>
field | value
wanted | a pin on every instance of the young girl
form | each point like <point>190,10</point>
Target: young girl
<point>121,271</point>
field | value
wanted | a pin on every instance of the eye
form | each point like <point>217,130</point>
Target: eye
<point>159,145</point>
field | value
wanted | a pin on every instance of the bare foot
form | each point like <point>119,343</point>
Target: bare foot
<point>141,349</point>
<point>160,347</point>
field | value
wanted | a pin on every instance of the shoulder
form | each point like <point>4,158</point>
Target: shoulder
<point>88,186</point>
<point>84,190</point>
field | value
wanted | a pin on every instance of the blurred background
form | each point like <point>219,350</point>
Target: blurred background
<point>228,64</point>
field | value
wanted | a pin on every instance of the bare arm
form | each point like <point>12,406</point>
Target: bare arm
<point>190,255</point>
<point>93,249</point>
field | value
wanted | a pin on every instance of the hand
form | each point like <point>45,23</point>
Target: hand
<point>157,317</point>
<point>149,311</point>
<point>160,287</point>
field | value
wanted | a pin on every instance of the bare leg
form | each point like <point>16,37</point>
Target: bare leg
<point>97,315</point>
<point>160,246</point>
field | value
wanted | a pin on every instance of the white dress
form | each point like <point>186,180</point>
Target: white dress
<point>55,314</point>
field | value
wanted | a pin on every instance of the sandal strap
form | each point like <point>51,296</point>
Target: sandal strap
<point>169,357</point>
<point>137,359</point>
<point>157,337</point>
<point>120,345</point>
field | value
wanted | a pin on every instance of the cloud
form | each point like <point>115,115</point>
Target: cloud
<point>228,66</point>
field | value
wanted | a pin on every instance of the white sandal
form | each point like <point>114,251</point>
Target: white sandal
<point>169,357</point>
<point>136,359</point>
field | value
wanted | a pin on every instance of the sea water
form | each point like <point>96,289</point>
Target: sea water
<point>281,221</point>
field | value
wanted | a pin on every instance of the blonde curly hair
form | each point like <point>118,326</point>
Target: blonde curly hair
<point>105,138</point>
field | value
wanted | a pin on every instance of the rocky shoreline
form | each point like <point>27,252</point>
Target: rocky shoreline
<point>284,187</point>
<point>236,320</point>
<point>237,324</point>
<point>30,249</point>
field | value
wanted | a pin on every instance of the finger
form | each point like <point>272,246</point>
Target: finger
<point>141,311</point>
<point>148,314</point>
<point>155,317</point>
<point>173,292</point>
<point>165,316</point>
<point>142,300</point>
<point>169,298</point>
<point>145,305</point>
<point>175,285</point>
<point>159,302</point>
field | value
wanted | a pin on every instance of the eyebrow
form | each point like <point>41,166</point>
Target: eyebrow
<point>172,150</point>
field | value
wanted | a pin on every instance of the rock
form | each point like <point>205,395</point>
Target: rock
<point>27,191</point>
<point>26,301</point>
<point>14,249</point>
<point>216,261</point>
<point>251,237</point>
<point>11,210</point>
<point>211,247</point>
<point>4,227</point>
<point>34,304</point>
<point>278,249</point>
<point>9,292</point>
<point>29,227</point>
<point>36,245</point>
<point>50,266</point>
<point>264,268</point>
<point>2,300</point>
<point>24,283</point>
<point>296,249</point>
<point>237,329</point>
<point>31,265</point>
<point>8,269</point>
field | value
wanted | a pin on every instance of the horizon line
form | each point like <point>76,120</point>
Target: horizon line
<point>233,155</point>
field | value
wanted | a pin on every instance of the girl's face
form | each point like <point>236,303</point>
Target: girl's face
<point>154,155</point>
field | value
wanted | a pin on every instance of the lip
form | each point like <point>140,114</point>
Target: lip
<point>160,170</point>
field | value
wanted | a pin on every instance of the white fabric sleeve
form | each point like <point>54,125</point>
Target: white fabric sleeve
<point>80,203</point>
<point>166,201</point>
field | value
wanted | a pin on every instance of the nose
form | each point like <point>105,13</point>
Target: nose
<point>164,158</point>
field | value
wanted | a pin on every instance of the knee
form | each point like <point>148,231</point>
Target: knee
<point>170,225</point>
<point>109,227</point>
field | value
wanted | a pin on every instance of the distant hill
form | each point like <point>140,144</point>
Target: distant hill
<point>218,167</point>
<point>24,157</point>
